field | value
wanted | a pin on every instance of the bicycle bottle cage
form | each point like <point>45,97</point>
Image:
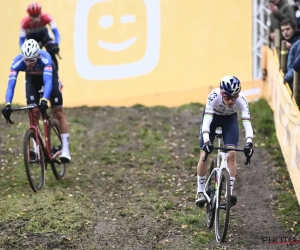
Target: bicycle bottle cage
<point>219,133</point>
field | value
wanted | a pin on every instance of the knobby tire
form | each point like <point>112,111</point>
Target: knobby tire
<point>36,185</point>
<point>59,175</point>
<point>225,183</point>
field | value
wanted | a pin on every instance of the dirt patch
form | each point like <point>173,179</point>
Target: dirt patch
<point>137,166</point>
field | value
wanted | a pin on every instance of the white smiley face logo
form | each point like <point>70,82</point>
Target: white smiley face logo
<point>106,22</point>
<point>105,48</point>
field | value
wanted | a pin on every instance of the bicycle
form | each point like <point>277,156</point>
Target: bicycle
<point>217,190</point>
<point>37,148</point>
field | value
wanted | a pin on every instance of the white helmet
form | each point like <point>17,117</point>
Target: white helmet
<point>30,49</point>
<point>230,85</point>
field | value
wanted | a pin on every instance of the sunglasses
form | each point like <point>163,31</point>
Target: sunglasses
<point>30,60</point>
<point>34,16</point>
<point>230,98</point>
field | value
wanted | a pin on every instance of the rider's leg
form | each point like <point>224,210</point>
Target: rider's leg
<point>202,166</point>
<point>231,138</point>
<point>57,108</point>
<point>54,59</point>
<point>32,94</point>
<point>231,163</point>
<point>64,130</point>
<point>32,85</point>
<point>201,171</point>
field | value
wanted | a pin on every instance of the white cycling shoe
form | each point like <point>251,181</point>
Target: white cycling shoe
<point>65,158</point>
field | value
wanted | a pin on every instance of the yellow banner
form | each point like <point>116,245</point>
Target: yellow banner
<point>152,52</point>
<point>286,117</point>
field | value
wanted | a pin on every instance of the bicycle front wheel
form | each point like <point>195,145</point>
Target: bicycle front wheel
<point>211,189</point>
<point>223,206</point>
<point>59,170</point>
<point>35,168</point>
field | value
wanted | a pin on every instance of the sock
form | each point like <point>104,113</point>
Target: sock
<point>201,183</point>
<point>232,179</point>
<point>65,144</point>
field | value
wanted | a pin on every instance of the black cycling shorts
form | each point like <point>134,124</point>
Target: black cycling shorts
<point>230,130</point>
<point>34,83</point>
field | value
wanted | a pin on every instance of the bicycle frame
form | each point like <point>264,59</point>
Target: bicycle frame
<point>44,142</point>
<point>221,164</point>
<point>212,190</point>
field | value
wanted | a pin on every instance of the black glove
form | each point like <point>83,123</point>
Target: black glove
<point>208,147</point>
<point>6,112</point>
<point>43,105</point>
<point>55,50</point>
<point>248,150</point>
<point>52,48</point>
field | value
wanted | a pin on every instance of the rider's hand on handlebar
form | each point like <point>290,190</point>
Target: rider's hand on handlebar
<point>6,112</point>
<point>248,150</point>
<point>54,48</point>
<point>208,147</point>
<point>43,105</point>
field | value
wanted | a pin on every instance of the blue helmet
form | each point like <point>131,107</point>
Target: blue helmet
<point>230,85</point>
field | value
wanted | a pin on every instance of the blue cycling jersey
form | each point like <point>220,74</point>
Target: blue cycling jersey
<point>42,67</point>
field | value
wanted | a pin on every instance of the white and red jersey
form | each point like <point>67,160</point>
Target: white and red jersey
<point>28,25</point>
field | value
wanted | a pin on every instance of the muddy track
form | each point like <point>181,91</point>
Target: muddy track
<point>253,219</point>
<point>139,172</point>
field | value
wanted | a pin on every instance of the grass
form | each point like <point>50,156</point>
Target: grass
<point>285,202</point>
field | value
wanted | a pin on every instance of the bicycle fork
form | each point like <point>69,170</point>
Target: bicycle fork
<point>223,157</point>
<point>36,144</point>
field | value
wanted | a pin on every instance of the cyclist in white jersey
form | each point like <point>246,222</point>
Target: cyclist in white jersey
<point>221,111</point>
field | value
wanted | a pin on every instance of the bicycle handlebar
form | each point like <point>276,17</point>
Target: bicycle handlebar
<point>247,162</point>
<point>30,106</point>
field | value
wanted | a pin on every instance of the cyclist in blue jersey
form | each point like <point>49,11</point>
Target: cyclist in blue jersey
<point>40,71</point>
<point>221,111</point>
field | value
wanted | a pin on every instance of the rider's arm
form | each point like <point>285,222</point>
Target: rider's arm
<point>22,37</point>
<point>47,77</point>
<point>55,32</point>
<point>246,118</point>
<point>16,66</point>
<point>53,27</point>
<point>47,74</point>
<point>208,116</point>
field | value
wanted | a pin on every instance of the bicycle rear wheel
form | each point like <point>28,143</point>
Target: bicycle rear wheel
<point>59,170</point>
<point>210,207</point>
<point>223,206</point>
<point>35,169</point>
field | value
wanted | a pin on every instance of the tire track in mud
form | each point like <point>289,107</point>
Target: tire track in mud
<point>254,208</point>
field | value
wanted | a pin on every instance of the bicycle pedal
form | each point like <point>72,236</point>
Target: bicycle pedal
<point>200,205</point>
<point>56,161</point>
<point>233,201</point>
